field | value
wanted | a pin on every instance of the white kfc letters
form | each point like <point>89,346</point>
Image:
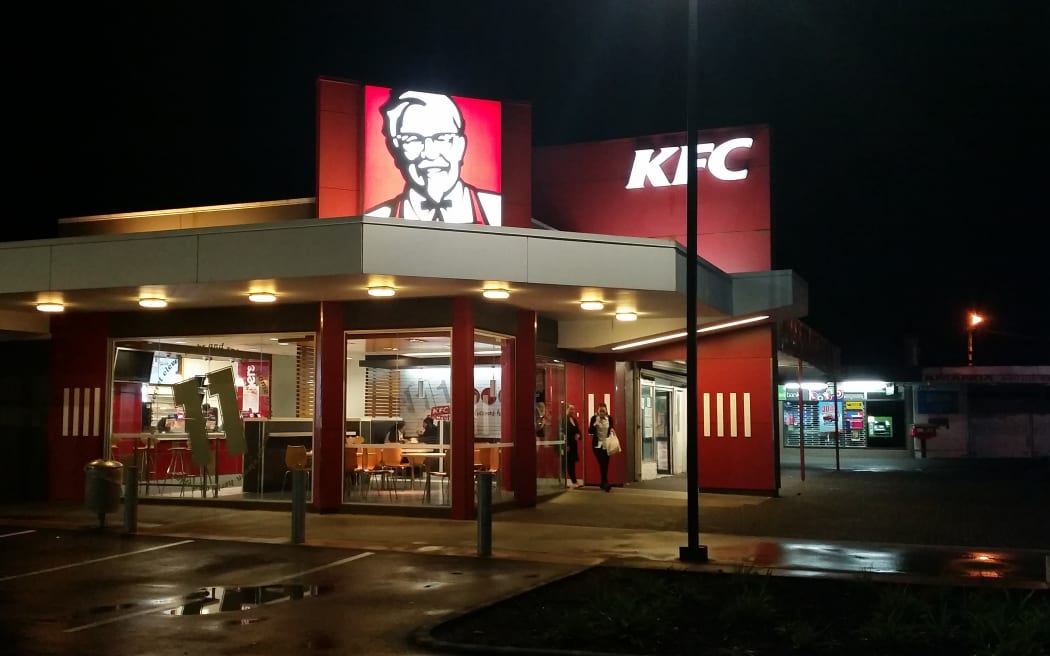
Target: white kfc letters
<point>646,166</point>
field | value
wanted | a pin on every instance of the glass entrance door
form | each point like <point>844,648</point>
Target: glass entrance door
<point>662,429</point>
<point>648,451</point>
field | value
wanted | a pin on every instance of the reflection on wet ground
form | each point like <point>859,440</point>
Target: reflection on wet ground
<point>217,599</point>
<point>931,562</point>
<point>207,601</point>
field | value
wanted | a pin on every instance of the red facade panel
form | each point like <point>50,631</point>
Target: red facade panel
<point>517,165</point>
<point>77,412</point>
<point>338,148</point>
<point>735,390</point>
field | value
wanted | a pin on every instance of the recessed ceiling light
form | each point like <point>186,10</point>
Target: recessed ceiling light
<point>50,307</point>
<point>626,316</point>
<point>496,293</point>
<point>262,297</point>
<point>381,291</point>
<point>152,302</point>
<point>592,305</point>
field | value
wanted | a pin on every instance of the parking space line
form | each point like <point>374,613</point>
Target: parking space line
<point>93,560</point>
<point>363,554</point>
<point>11,535</point>
<point>148,611</point>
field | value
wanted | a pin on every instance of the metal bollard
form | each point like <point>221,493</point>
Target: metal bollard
<point>131,499</point>
<point>298,506</point>
<point>485,480</point>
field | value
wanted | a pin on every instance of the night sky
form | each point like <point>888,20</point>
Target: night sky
<point>907,135</point>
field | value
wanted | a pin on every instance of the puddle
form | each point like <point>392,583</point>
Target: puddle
<point>208,601</point>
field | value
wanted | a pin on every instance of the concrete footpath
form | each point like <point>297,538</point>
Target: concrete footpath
<point>924,520</point>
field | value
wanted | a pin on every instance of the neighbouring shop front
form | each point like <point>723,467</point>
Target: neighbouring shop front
<point>858,414</point>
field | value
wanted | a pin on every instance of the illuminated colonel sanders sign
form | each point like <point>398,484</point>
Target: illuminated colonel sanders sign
<point>432,157</point>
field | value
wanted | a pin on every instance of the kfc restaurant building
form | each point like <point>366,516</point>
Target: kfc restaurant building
<point>445,268</point>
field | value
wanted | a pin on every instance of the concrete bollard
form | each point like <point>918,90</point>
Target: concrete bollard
<point>485,480</point>
<point>131,499</point>
<point>298,506</point>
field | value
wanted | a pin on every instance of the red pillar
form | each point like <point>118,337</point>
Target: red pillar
<point>506,422</point>
<point>524,410</point>
<point>462,451</point>
<point>78,412</point>
<point>329,416</point>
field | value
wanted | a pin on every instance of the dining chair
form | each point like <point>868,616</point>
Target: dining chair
<point>395,460</point>
<point>377,471</point>
<point>296,457</point>
<point>353,469</point>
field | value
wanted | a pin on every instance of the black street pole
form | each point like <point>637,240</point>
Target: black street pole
<point>694,552</point>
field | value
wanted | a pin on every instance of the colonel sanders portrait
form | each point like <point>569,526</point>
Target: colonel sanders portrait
<point>424,134</point>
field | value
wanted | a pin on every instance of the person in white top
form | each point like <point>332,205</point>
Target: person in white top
<point>424,133</point>
<point>599,428</point>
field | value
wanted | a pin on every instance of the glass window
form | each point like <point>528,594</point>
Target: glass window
<point>256,379</point>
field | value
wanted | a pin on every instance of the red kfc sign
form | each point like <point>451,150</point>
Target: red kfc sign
<point>636,188</point>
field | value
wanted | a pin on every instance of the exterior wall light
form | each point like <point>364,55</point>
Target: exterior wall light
<point>153,302</point>
<point>262,297</point>
<point>591,306</point>
<point>381,291</point>
<point>496,293</point>
<point>50,307</point>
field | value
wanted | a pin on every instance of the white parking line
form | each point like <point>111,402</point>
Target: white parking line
<point>168,607</point>
<point>363,554</point>
<point>11,535</point>
<point>93,560</point>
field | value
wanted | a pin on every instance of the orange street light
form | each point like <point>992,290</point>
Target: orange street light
<point>975,320</point>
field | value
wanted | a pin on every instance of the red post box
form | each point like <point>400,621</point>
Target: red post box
<point>923,432</point>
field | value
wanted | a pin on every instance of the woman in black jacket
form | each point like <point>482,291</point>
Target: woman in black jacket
<point>572,438</point>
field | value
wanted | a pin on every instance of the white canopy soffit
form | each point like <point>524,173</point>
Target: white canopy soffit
<point>313,260</point>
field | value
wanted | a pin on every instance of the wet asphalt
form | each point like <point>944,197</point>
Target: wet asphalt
<point>967,521</point>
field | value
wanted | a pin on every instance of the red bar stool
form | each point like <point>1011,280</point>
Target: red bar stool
<point>177,469</point>
<point>146,460</point>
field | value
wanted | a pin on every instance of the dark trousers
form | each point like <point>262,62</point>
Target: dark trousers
<point>570,463</point>
<point>603,464</point>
